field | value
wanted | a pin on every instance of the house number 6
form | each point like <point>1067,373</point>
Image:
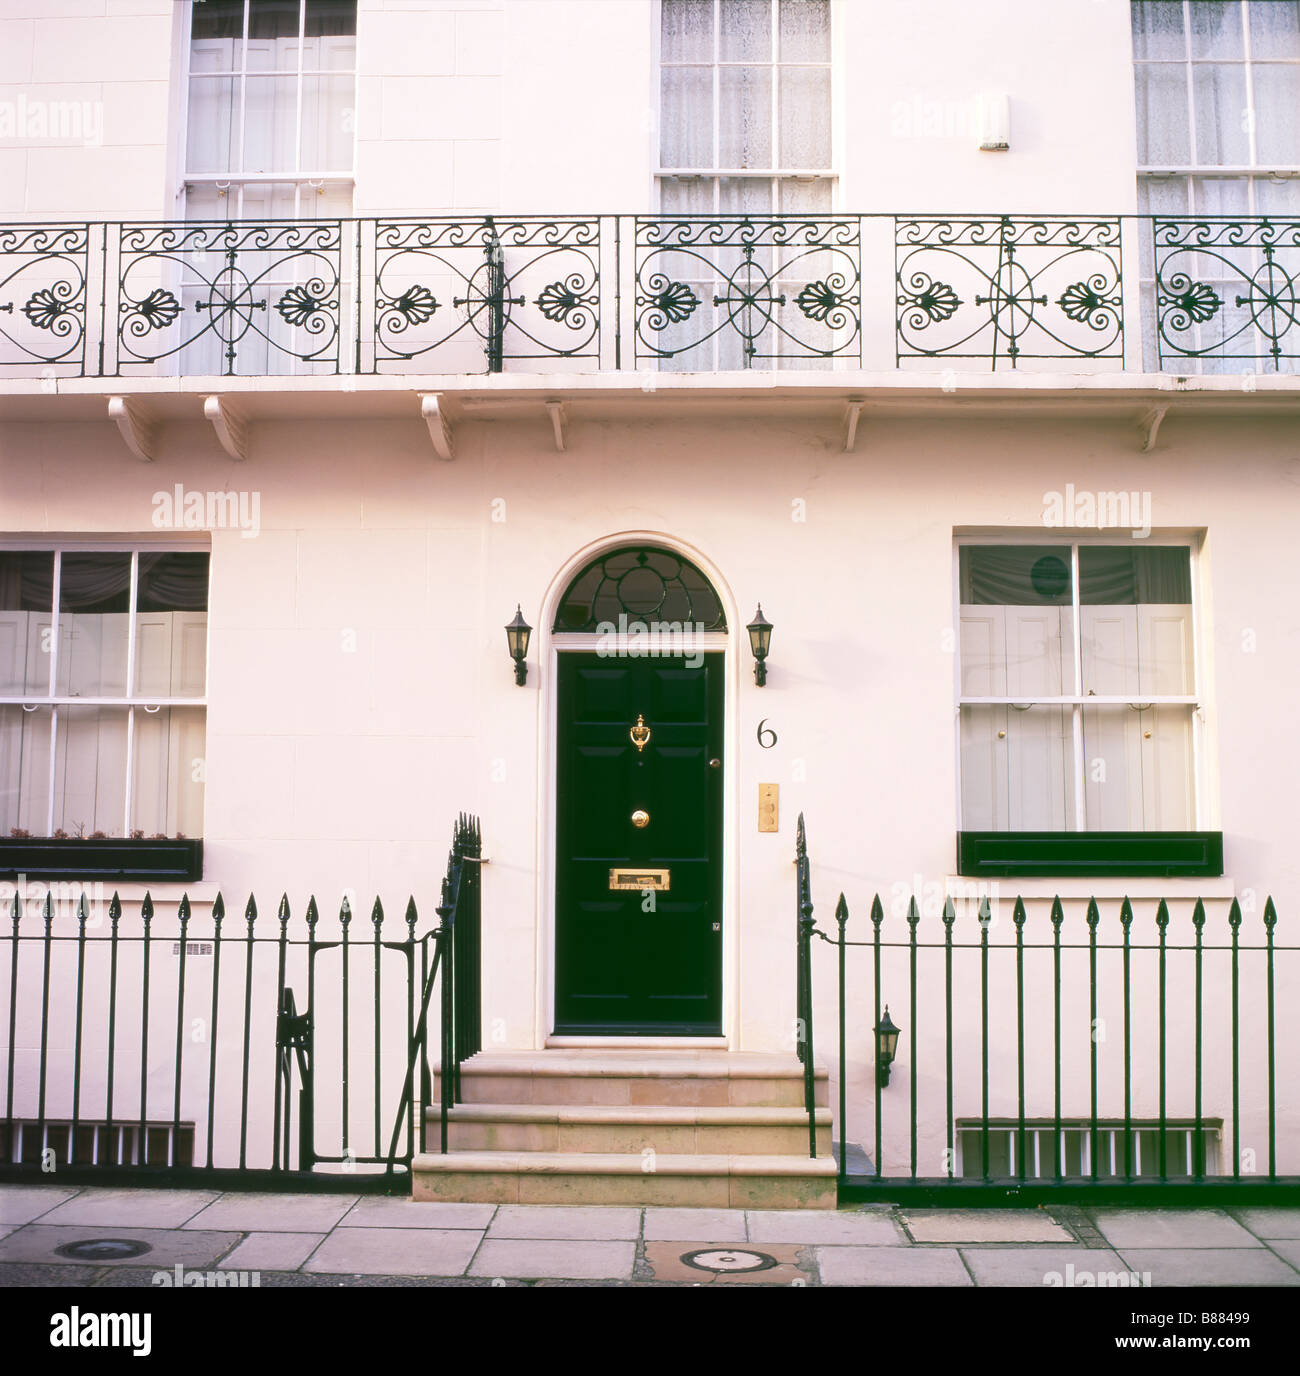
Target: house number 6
<point>766,736</point>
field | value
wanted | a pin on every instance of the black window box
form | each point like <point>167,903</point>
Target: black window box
<point>44,857</point>
<point>1085,854</point>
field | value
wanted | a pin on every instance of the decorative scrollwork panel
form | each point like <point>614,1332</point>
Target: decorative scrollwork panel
<point>232,297</point>
<point>1005,289</point>
<point>462,293</point>
<point>43,272</point>
<point>740,291</point>
<point>1226,290</point>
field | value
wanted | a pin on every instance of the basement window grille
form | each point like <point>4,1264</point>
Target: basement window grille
<point>24,1141</point>
<point>1076,1148</point>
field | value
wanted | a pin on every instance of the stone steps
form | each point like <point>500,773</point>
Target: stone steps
<point>604,1128</point>
<point>683,1180</point>
<point>581,1125</point>
<point>583,1076</point>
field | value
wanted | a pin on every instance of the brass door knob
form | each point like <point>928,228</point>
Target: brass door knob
<point>640,818</point>
<point>715,764</point>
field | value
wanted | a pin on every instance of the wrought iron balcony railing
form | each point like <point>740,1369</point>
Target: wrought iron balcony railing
<point>683,293</point>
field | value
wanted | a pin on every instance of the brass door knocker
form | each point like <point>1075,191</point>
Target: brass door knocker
<point>640,733</point>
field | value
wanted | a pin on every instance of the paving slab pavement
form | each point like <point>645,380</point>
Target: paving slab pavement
<point>526,1258</point>
<point>340,1240</point>
<point>1171,1228</point>
<point>1210,1266</point>
<point>982,1225</point>
<point>892,1266</point>
<point>1066,1267</point>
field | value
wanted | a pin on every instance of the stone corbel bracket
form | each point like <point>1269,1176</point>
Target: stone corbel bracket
<point>231,426</point>
<point>136,429</point>
<point>1149,427</point>
<point>559,418</point>
<point>849,429</point>
<point>440,431</point>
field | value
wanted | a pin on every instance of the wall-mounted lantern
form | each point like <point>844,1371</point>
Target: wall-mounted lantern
<point>886,1047</point>
<point>760,638</point>
<point>517,633</point>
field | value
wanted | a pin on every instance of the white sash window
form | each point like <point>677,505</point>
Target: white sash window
<point>272,95</point>
<point>1078,697</point>
<point>103,682</point>
<point>745,106</point>
<point>1218,134</point>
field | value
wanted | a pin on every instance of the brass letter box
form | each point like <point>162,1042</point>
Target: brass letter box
<point>638,879</point>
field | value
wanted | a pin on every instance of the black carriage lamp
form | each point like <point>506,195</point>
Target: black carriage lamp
<point>886,1047</point>
<point>760,638</point>
<point>517,633</point>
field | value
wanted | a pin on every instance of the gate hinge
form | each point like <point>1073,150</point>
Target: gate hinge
<point>292,1030</point>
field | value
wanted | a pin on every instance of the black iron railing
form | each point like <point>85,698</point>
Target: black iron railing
<point>121,1060</point>
<point>1104,1055</point>
<point>804,929</point>
<point>456,295</point>
<point>457,954</point>
<point>1226,290</point>
<point>1005,289</point>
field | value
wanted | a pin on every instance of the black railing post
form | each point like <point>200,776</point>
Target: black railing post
<point>950,1139</point>
<point>1126,922</point>
<point>408,950</point>
<point>1093,917</point>
<point>82,915</point>
<point>913,920</point>
<point>877,917</point>
<point>803,981</point>
<point>283,1068</point>
<point>218,916</point>
<point>114,917</point>
<point>183,916</point>
<point>15,914</point>
<point>841,921</point>
<point>1162,924</point>
<point>809,1068</point>
<point>307,1113</point>
<point>48,940</point>
<point>345,922</point>
<point>800,878</point>
<point>1198,923</point>
<point>1057,918</point>
<point>142,1146</point>
<point>985,921</point>
<point>377,921</point>
<point>1234,922</point>
<point>443,953</point>
<point>1018,919</point>
<point>1270,921</point>
<point>250,916</point>
<point>496,298</point>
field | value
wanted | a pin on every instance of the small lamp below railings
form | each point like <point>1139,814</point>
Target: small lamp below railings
<point>886,1047</point>
<point>517,633</point>
<point>760,639</point>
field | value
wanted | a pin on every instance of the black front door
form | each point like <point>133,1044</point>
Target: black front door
<point>639,959</point>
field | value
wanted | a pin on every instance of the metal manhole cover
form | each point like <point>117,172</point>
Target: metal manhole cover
<point>104,1249</point>
<point>723,1259</point>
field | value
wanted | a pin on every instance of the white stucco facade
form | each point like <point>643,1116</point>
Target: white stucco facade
<point>359,694</point>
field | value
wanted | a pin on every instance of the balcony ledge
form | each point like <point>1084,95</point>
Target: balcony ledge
<point>647,394</point>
